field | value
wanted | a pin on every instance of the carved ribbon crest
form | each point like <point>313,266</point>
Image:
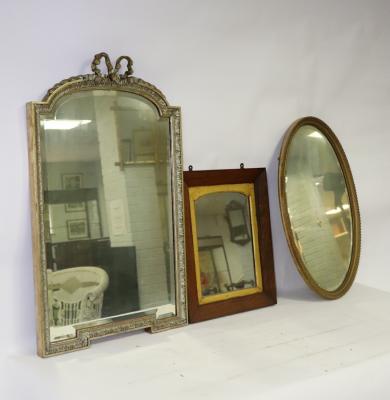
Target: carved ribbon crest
<point>112,72</point>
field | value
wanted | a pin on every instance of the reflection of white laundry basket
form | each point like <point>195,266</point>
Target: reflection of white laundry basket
<point>76,294</point>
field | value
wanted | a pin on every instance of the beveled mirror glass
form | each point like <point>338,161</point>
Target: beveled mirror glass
<point>107,221</point>
<point>319,207</point>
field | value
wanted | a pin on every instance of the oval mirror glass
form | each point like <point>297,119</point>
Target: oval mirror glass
<point>319,207</point>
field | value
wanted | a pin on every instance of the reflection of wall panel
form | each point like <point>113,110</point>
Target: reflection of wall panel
<point>113,178</point>
<point>147,234</point>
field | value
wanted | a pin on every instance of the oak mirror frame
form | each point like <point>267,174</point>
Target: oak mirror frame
<point>319,207</point>
<point>107,209</point>
<point>228,240</point>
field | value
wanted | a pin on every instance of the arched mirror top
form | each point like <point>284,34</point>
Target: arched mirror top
<point>110,79</point>
<point>319,207</point>
<point>107,208</point>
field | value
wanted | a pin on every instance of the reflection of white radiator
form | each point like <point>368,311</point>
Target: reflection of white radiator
<point>76,295</point>
<point>314,233</point>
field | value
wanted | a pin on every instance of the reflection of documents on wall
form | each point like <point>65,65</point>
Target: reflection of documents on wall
<point>314,233</point>
<point>118,217</point>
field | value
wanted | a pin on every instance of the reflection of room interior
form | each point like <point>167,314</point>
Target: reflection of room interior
<point>92,209</point>
<point>89,246</point>
<point>315,182</point>
<point>226,263</point>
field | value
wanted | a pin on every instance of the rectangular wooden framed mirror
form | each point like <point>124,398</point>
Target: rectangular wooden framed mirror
<point>229,247</point>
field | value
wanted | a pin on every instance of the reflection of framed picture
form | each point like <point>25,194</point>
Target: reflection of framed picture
<point>74,207</point>
<point>72,181</point>
<point>77,229</point>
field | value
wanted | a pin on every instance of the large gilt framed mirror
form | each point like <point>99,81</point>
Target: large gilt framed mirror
<point>319,207</point>
<point>107,212</point>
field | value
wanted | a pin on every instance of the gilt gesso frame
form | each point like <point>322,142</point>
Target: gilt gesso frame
<point>354,207</point>
<point>113,80</point>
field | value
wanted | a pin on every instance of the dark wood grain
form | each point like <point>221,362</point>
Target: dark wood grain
<point>267,297</point>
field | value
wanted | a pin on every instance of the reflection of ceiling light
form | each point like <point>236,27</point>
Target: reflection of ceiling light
<point>333,211</point>
<point>316,134</point>
<point>337,210</point>
<point>64,124</point>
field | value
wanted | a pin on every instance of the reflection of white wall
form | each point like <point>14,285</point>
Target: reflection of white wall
<point>240,257</point>
<point>115,195</point>
<point>311,151</point>
<point>147,234</point>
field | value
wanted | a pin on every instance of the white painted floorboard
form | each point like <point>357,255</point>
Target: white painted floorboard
<point>301,348</point>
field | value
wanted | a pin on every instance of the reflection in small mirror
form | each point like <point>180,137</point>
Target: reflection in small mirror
<point>319,207</point>
<point>225,247</point>
<point>107,210</point>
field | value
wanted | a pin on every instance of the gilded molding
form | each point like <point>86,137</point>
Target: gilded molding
<point>113,80</point>
<point>354,207</point>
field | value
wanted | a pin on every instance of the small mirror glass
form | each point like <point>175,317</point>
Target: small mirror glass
<point>225,267</point>
<point>317,192</point>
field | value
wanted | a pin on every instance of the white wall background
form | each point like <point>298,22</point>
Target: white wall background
<point>242,71</point>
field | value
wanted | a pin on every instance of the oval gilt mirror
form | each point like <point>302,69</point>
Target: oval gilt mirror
<point>319,207</point>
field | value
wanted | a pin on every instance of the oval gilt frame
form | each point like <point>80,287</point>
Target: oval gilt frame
<point>354,208</point>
